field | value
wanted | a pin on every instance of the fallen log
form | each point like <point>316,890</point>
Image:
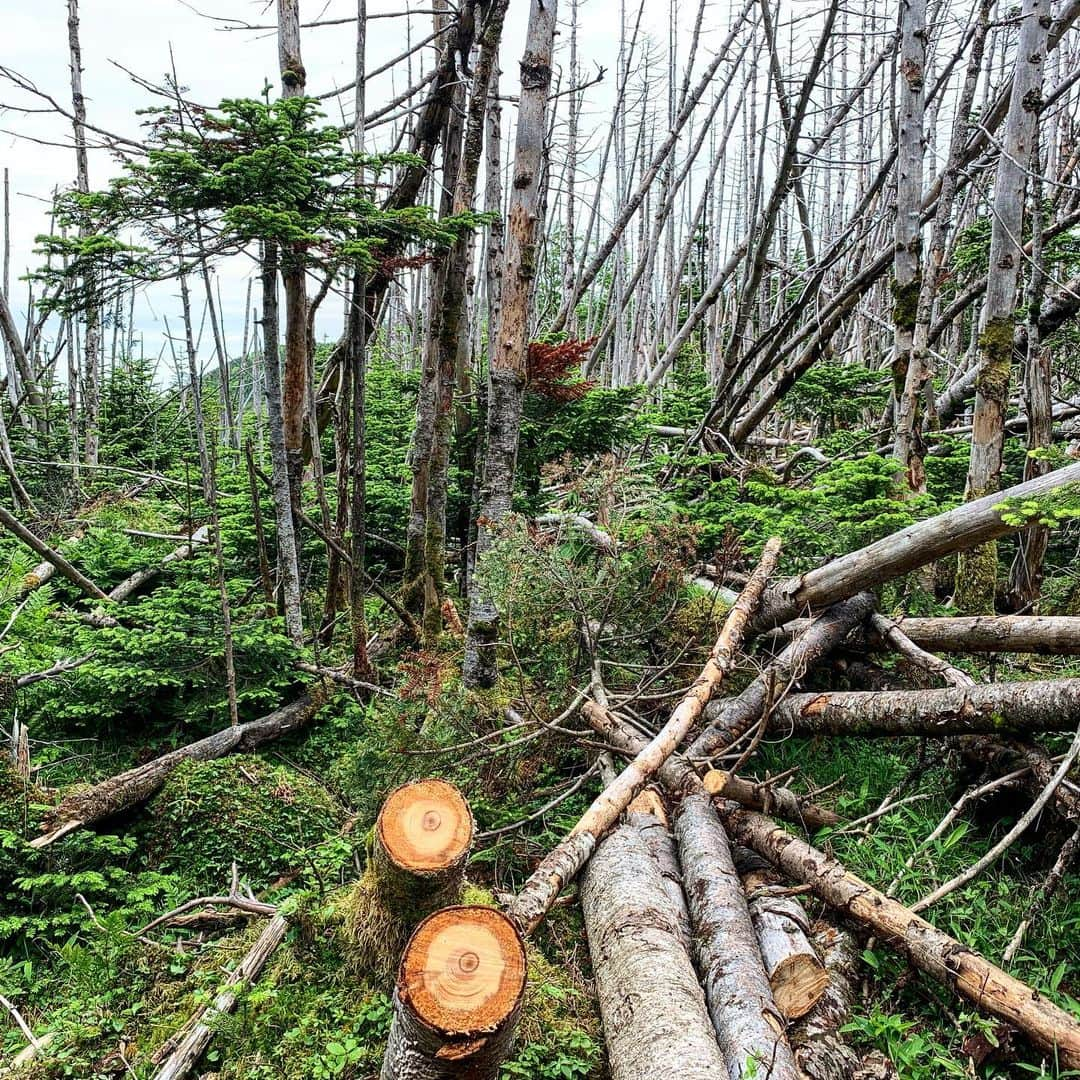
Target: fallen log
<point>729,720</point>
<point>1048,635</point>
<point>650,820</point>
<point>457,998</point>
<point>820,1050</point>
<point>749,1026</point>
<point>679,776</point>
<point>932,951</point>
<point>565,860</point>
<point>88,805</point>
<point>201,1029</point>
<point>651,1004</point>
<point>769,799</point>
<point>797,977</point>
<point>967,526</point>
<point>141,577</point>
<point>993,708</point>
<point>43,551</point>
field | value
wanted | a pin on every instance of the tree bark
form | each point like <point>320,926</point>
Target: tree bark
<point>749,1027</point>
<point>654,831</point>
<point>729,720</point>
<point>508,363</point>
<point>977,571</point>
<point>990,709</point>
<point>652,1007</point>
<point>917,545</point>
<point>932,951</point>
<point>288,547</point>
<point>907,261</point>
<point>567,858</point>
<point>63,567</point>
<point>797,977</point>
<point>458,997</point>
<point>820,1050</point>
<point>769,799</point>
<point>423,837</point>
<point>1047,635</point>
<point>127,789</point>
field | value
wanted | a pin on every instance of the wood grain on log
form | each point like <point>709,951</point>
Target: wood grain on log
<point>458,997</point>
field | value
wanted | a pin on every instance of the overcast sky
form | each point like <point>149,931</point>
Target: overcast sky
<point>216,63</point>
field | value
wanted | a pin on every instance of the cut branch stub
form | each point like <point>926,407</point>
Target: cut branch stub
<point>423,837</point>
<point>458,997</point>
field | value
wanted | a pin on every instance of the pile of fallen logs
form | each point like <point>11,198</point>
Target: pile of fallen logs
<point>706,962</point>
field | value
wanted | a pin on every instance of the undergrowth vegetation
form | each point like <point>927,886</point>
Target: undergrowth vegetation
<point>291,821</point>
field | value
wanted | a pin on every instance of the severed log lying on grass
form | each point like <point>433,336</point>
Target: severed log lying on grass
<point>966,526</point>
<point>127,789</point>
<point>749,1027</point>
<point>820,1050</point>
<point>1049,1028</point>
<point>796,975</point>
<point>651,1005</point>
<point>1049,635</point>
<point>141,577</point>
<point>458,997</point>
<point>993,708</point>
<point>566,859</point>
<point>200,1030</point>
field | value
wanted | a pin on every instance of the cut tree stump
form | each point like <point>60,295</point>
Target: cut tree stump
<point>88,805</point>
<point>796,976</point>
<point>423,836</point>
<point>651,1004</point>
<point>749,1026</point>
<point>458,997</point>
<point>1049,1028</point>
<point>990,709</point>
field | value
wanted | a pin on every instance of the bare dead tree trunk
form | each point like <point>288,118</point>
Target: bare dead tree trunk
<point>91,404</point>
<point>508,364</point>
<point>287,540</point>
<point>977,572</point>
<point>907,262</point>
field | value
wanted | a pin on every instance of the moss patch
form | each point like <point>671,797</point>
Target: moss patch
<point>243,809</point>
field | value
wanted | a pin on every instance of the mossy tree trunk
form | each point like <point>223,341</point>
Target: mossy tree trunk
<point>976,577</point>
